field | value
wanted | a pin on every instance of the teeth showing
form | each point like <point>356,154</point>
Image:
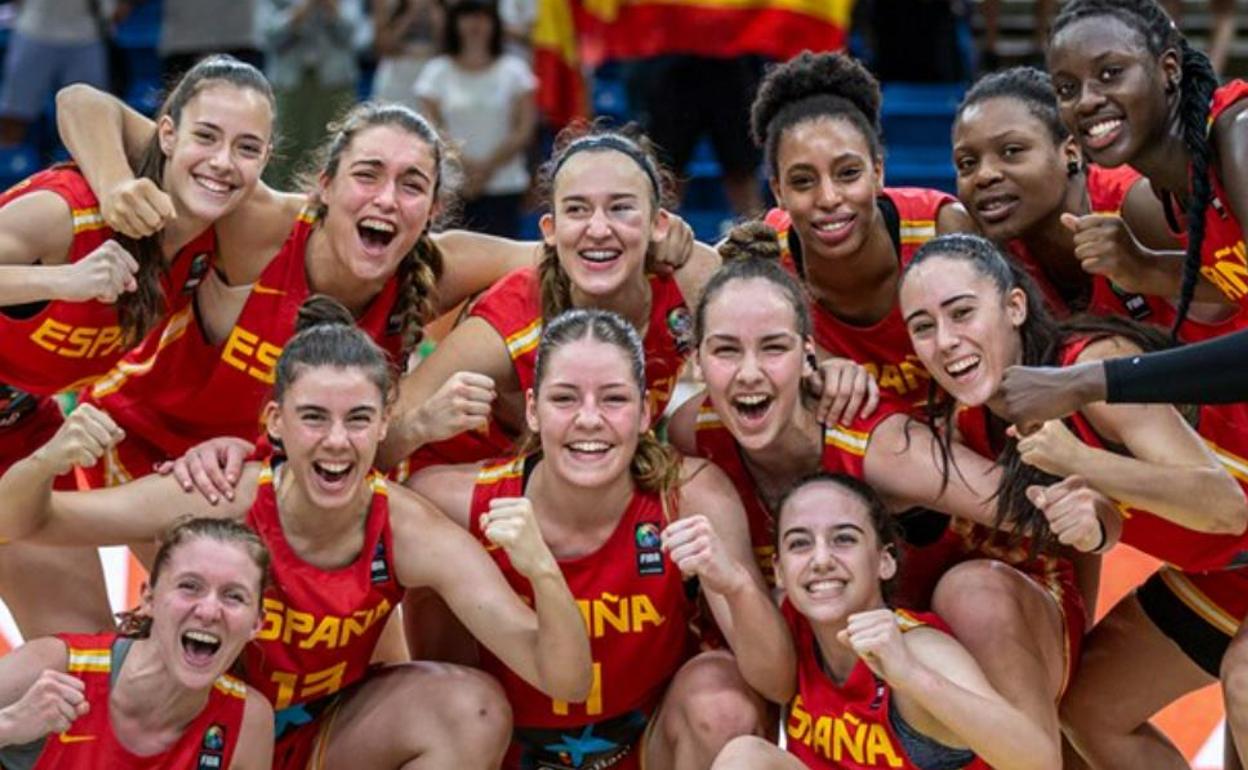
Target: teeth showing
<point>203,637</point>
<point>1099,129</point>
<point>380,225</point>
<point>212,184</point>
<point>754,399</point>
<point>824,586</point>
<point>334,467</point>
<point>995,204</point>
<point>599,255</point>
<point>832,227</point>
<point>962,365</point>
<point>589,446</point>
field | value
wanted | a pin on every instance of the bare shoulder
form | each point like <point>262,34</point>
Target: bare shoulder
<point>682,427</point>
<point>255,739</point>
<point>448,488</point>
<point>250,236</point>
<point>953,218</point>
<point>1108,347</point>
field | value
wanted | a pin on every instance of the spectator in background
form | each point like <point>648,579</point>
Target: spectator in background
<point>484,99</point>
<point>310,54</point>
<point>405,36</point>
<point>54,43</point>
<point>192,29</point>
<point>679,97</point>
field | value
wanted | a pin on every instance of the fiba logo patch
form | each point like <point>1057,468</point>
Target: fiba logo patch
<point>680,326</point>
<point>195,276</point>
<point>649,549</point>
<point>379,567</point>
<point>212,756</point>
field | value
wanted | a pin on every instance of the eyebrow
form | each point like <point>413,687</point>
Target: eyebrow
<point>378,164</point>
<point>611,196</point>
<point>945,303</point>
<point>216,127</point>
<point>847,155</point>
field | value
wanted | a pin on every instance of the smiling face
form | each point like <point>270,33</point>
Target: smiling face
<point>830,561</point>
<point>379,201</point>
<point>1011,174</point>
<point>604,220</point>
<point>962,328</point>
<point>330,421</point>
<point>753,359</point>
<point>216,152</point>
<point>1111,91</point>
<point>589,413</point>
<point>827,180</point>
<point>204,608</point>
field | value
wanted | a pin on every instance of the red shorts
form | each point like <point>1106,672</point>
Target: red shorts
<point>29,432</point>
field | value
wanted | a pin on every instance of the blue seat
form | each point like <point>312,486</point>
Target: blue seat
<point>17,163</point>
<point>141,29</point>
<point>919,114</point>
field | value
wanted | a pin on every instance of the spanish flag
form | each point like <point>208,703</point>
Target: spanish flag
<point>633,29</point>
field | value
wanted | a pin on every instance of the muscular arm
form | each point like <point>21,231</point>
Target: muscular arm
<point>36,231</point>
<point>473,346</point>
<point>105,137</point>
<point>948,698</point>
<point>1171,472</point>
<point>546,645</point>
<point>255,737</point>
<point>134,512</point>
<point>748,617</point>
<point>473,262</point>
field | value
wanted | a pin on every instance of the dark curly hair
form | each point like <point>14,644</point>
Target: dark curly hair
<point>811,86</point>
<point>1033,87</point>
<point>1159,34</point>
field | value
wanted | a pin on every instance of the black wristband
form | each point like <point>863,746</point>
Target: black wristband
<point>1104,537</point>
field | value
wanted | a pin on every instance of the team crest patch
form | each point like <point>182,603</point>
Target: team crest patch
<point>680,326</point>
<point>195,275</point>
<point>649,549</point>
<point>380,568</point>
<point>213,749</point>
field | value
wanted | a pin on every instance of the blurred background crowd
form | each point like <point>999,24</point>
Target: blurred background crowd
<point>500,76</point>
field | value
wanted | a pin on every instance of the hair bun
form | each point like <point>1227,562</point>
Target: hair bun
<point>809,75</point>
<point>751,240</point>
<point>322,310</point>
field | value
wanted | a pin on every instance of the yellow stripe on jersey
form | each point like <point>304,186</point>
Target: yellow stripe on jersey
<point>709,418</point>
<point>524,340</point>
<point>492,474</point>
<point>917,230</point>
<point>231,686</point>
<point>266,475</point>
<point>94,661</point>
<point>1236,465</point>
<point>179,322</point>
<point>906,621</point>
<point>86,220</point>
<point>1198,602</point>
<point>852,441</point>
<point>307,214</point>
<point>378,483</point>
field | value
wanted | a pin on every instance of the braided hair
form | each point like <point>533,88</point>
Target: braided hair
<point>419,270</point>
<point>1195,93</point>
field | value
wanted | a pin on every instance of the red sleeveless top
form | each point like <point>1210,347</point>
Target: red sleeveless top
<point>208,741</point>
<point>320,626</point>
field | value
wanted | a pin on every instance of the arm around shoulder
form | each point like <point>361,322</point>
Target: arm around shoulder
<point>255,738</point>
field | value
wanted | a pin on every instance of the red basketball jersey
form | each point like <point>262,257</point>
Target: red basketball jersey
<point>320,626</point>
<point>1223,254</point>
<point>208,741</point>
<point>844,448</point>
<point>65,345</point>
<point>1225,429</point>
<point>883,347</point>
<point>845,726</point>
<point>632,598</point>
<point>513,307</point>
<point>177,389</point>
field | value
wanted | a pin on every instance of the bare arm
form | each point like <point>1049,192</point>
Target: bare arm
<point>1170,472</point>
<point>953,218</point>
<point>946,696</point>
<point>36,231</point>
<point>474,262</point>
<point>33,511</point>
<point>105,137</point>
<point>37,697</point>
<point>1160,271</point>
<point>473,346</point>
<point>546,645</point>
<point>255,737</point>
<point>682,426</point>
<point>734,588</point>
